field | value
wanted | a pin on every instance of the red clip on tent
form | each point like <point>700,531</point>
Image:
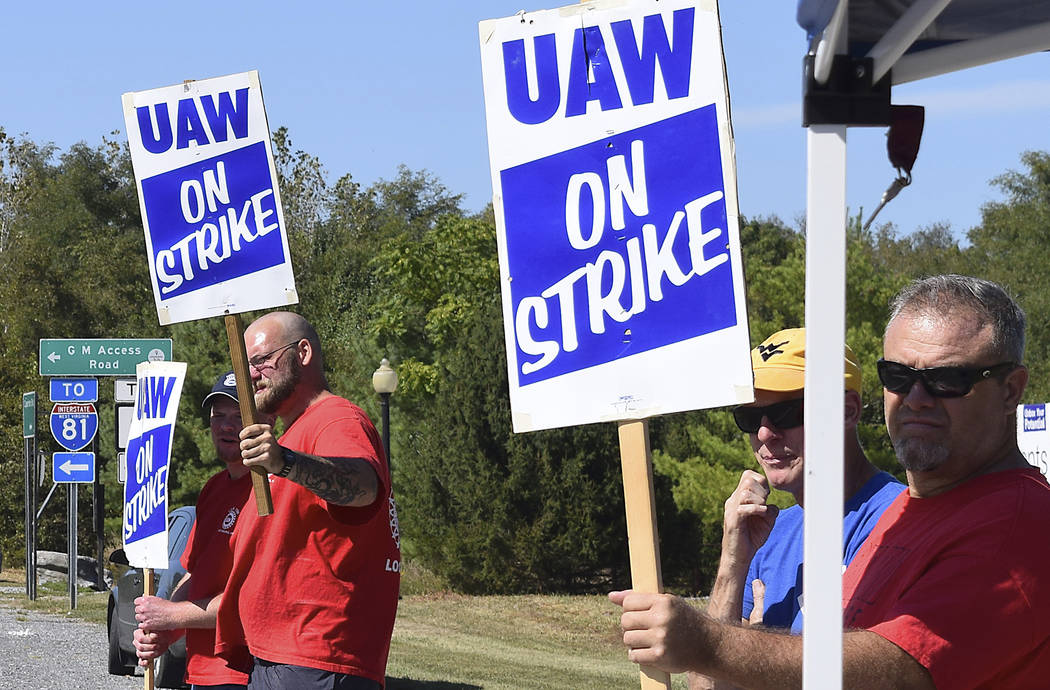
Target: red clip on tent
<point>857,52</point>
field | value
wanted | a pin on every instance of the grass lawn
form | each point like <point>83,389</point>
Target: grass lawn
<point>445,641</point>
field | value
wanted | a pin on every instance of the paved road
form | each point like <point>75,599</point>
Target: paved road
<point>46,652</point>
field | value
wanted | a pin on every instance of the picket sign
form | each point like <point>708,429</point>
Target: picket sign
<point>211,212</point>
<point>614,193</point>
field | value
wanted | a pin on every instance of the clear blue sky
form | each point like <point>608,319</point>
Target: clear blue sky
<point>368,86</point>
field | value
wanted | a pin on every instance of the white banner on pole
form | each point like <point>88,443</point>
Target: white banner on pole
<point>211,207</point>
<point>149,454</point>
<point>614,190</point>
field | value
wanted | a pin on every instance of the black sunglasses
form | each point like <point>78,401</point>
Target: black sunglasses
<point>940,382</point>
<point>782,415</point>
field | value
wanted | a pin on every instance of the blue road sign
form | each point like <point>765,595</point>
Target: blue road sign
<point>74,424</point>
<point>73,468</point>
<point>74,390</point>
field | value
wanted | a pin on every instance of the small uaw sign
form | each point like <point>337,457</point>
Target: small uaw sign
<point>1033,436</point>
<point>145,529</point>
<point>614,192</point>
<point>615,198</point>
<point>211,207</point>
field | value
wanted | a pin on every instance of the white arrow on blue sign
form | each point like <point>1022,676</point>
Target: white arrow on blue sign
<point>72,468</point>
<point>74,424</point>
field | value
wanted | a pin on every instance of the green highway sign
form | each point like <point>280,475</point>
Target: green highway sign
<point>100,356</point>
<point>29,414</point>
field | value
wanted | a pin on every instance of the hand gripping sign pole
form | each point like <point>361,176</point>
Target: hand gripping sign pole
<point>246,397</point>
<point>149,588</point>
<point>614,194</point>
<point>643,543</point>
<point>211,212</point>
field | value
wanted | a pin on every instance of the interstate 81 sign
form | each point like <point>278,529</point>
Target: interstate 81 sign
<point>74,424</point>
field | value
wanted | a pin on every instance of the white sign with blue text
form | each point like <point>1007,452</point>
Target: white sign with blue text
<point>1033,437</point>
<point>145,530</point>
<point>211,207</point>
<point>614,189</point>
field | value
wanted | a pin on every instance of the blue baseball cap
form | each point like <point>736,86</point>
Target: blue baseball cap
<point>225,385</point>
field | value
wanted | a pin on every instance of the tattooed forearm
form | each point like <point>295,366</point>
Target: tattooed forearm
<point>343,481</point>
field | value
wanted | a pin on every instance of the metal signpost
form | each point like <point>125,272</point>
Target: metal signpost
<point>29,438</point>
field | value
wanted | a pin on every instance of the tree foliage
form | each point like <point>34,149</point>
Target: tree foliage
<point>398,269</point>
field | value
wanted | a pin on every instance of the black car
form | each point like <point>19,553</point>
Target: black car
<point>170,669</point>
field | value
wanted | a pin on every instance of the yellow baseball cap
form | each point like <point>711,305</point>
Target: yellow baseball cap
<point>779,363</point>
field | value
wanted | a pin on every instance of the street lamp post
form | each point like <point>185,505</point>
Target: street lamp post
<point>384,380</point>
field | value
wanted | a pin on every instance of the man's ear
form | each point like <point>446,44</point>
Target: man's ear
<point>1015,381</point>
<point>852,408</point>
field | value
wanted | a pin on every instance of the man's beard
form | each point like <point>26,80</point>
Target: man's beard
<point>920,455</point>
<point>280,387</point>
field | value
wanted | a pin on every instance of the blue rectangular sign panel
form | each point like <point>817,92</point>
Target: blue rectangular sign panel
<point>213,221</point>
<point>73,468</point>
<point>640,244</point>
<point>74,390</point>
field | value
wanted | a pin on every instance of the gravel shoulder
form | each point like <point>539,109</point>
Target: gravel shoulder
<point>40,651</point>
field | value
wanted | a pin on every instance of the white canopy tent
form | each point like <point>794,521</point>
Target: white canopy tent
<point>859,49</point>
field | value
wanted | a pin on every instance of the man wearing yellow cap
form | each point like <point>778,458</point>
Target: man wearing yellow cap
<point>760,544</point>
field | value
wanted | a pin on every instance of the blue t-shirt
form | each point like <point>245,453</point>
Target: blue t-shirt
<point>778,563</point>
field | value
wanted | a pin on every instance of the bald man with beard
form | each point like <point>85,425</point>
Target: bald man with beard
<point>313,589</point>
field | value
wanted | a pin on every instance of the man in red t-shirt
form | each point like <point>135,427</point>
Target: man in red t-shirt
<point>952,587</point>
<point>314,586</point>
<point>207,560</point>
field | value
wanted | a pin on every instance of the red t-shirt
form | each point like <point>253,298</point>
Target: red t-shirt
<point>961,581</point>
<point>316,584</point>
<point>208,558</point>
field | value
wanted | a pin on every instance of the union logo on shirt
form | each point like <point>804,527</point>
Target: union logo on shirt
<point>230,520</point>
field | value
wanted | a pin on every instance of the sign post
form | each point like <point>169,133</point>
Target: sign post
<point>614,193</point>
<point>29,449</point>
<point>211,211</point>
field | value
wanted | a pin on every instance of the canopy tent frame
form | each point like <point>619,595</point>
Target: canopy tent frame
<point>848,84</point>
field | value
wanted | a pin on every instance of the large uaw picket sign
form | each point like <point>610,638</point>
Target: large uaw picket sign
<point>615,197</point>
<point>615,200</point>
<point>211,208</point>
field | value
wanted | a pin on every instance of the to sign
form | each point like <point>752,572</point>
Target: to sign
<point>74,424</point>
<point>74,390</point>
<point>72,468</point>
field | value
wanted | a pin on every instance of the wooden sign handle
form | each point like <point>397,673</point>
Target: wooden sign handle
<point>636,461</point>
<point>246,397</point>
<point>149,588</point>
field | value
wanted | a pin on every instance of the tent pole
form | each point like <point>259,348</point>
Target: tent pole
<point>825,335</point>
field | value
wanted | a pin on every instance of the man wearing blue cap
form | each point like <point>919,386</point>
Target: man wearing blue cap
<point>207,559</point>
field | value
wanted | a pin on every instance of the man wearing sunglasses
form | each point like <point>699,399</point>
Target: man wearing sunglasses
<point>757,542</point>
<point>952,587</point>
<point>313,587</point>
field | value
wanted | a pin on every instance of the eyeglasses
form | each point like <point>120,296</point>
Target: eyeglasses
<point>940,382</point>
<point>259,362</point>
<point>782,415</point>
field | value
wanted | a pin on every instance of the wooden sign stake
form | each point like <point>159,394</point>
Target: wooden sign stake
<point>149,588</point>
<point>643,543</point>
<point>246,397</point>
